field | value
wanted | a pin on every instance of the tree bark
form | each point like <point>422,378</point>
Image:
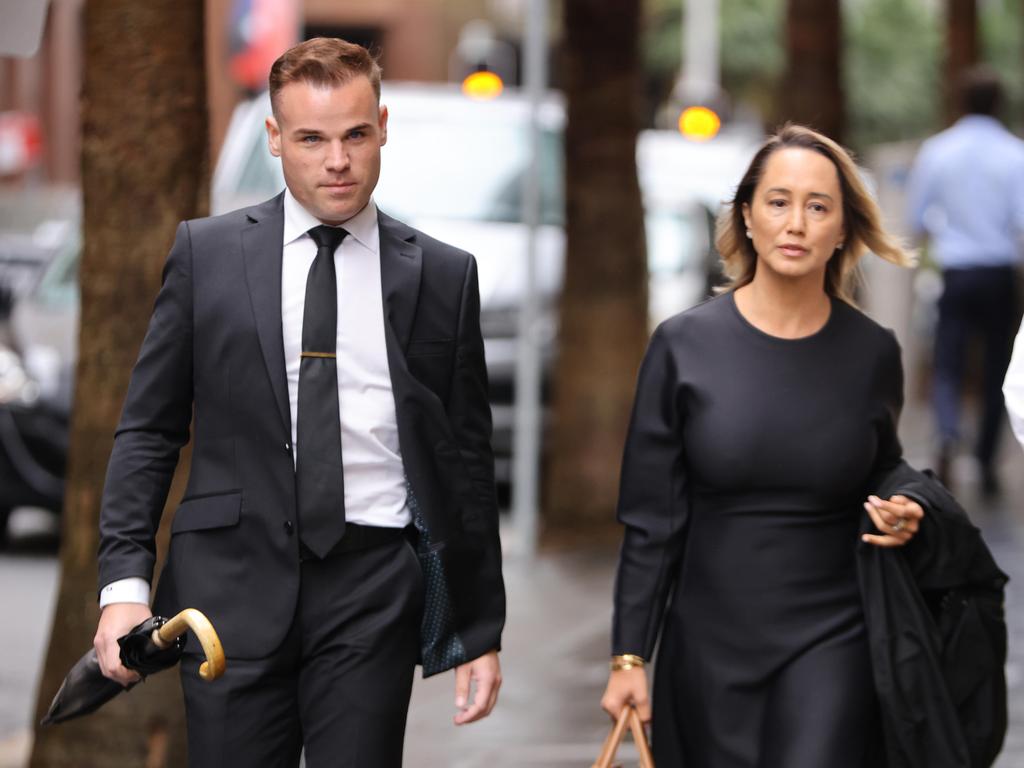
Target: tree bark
<point>144,168</point>
<point>961,50</point>
<point>812,91</point>
<point>603,310</point>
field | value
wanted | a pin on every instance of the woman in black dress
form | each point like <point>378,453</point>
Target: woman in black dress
<point>761,418</point>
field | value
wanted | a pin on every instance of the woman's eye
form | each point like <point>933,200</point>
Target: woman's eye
<point>777,203</point>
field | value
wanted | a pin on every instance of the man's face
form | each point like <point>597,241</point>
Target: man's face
<point>329,140</point>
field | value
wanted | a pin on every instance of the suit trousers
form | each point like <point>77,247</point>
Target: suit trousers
<point>339,685</point>
<point>982,301</point>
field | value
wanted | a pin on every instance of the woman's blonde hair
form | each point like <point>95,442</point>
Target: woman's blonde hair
<point>862,219</point>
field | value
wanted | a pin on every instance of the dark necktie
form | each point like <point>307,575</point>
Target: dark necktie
<point>318,472</point>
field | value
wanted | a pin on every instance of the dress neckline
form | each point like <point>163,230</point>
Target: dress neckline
<point>782,339</point>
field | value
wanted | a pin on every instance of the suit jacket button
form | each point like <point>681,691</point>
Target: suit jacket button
<point>288,527</point>
<point>288,447</point>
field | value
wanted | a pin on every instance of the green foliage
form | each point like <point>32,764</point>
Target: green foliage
<point>892,70</point>
<point>753,58</point>
<point>892,66</point>
<point>1002,36</point>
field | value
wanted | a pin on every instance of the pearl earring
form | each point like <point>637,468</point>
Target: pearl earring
<point>839,246</point>
<point>750,235</point>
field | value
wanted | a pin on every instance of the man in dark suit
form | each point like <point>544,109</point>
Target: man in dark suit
<point>339,521</point>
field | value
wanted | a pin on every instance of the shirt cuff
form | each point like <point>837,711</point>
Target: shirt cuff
<point>131,590</point>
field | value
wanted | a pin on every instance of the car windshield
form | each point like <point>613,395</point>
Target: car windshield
<point>675,239</point>
<point>59,284</point>
<point>466,170</point>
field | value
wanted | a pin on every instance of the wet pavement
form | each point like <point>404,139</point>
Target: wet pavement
<point>555,645</point>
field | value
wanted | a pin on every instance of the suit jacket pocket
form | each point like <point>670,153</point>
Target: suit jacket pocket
<point>201,513</point>
<point>430,362</point>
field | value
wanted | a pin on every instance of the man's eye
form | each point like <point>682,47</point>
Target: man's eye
<point>356,134</point>
<point>310,139</point>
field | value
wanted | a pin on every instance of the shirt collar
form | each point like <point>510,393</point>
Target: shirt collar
<point>298,221</point>
<point>975,120</point>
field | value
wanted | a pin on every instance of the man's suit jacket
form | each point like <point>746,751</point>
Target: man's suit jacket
<point>215,346</point>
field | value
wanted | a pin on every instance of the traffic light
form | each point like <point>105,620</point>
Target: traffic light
<point>482,62</point>
<point>482,84</point>
<point>699,123</point>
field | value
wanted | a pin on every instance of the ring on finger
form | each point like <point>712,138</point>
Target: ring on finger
<point>899,524</point>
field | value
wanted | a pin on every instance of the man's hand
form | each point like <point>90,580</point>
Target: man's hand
<point>486,672</point>
<point>116,620</point>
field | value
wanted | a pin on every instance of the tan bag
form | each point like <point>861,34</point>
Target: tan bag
<point>629,717</point>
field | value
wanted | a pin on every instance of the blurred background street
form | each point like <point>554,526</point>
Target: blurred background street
<point>527,132</point>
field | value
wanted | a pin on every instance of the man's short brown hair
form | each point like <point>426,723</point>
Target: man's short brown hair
<point>981,91</point>
<point>323,61</point>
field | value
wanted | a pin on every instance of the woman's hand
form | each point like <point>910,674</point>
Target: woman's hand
<point>899,519</point>
<point>625,687</point>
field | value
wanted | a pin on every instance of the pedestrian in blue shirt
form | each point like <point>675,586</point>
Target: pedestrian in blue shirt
<point>966,195</point>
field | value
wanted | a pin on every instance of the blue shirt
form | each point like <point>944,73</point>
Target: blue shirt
<point>966,192</point>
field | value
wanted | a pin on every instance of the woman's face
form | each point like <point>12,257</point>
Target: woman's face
<point>795,217</point>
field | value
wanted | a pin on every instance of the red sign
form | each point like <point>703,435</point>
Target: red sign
<point>261,30</point>
<point>21,142</point>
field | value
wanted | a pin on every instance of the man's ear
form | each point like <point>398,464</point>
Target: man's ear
<point>273,136</point>
<point>382,124</point>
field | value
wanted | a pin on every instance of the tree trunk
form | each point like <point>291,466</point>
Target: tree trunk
<point>812,91</point>
<point>144,168</point>
<point>961,50</point>
<point>603,312</point>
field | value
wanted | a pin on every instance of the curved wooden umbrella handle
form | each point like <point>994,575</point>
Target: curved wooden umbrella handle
<point>192,619</point>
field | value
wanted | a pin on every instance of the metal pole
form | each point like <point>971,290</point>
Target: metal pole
<point>527,426</point>
<point>701,73</point>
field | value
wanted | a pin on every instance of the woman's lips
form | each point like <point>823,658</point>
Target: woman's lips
<point>793,250</point>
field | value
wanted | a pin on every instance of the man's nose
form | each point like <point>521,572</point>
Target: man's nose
<point>337,157</point>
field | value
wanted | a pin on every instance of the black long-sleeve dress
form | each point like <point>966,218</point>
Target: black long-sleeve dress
<point>746,465</point>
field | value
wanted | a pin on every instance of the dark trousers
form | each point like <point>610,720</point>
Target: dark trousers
<point>340,683</point>
<point>982,301</point>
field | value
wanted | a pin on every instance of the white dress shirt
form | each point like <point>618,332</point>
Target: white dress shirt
<point>1013,387</point>
<point>966,191</point>
<point>375,491</point>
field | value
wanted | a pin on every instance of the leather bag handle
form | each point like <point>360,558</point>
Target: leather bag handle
<point>628,718</point>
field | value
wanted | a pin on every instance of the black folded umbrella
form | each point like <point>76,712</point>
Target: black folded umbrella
<point>152,646</point>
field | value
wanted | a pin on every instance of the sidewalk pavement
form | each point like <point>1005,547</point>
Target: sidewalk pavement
<point>556,649</point>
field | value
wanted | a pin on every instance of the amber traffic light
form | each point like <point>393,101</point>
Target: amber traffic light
<point>699,123</point>
<point>482,84</point>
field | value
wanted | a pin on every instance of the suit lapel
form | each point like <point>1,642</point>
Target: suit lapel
<point>401,263</point>
<point>262,243</point>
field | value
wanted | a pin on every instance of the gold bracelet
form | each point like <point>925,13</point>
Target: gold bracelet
<point>626,661</point>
